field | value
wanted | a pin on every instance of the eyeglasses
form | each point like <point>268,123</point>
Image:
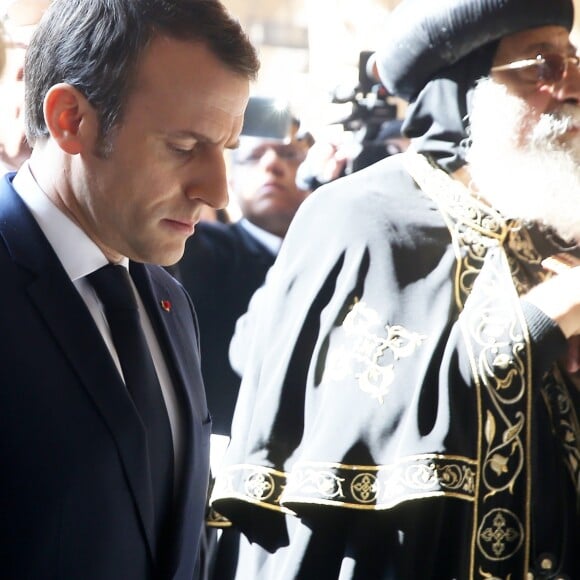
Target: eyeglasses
<point>545,68</point>
<point>287,152</point>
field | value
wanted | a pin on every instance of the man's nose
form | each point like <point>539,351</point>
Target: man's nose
<point>271,160</point>
<point>208,181</point>
<point>568,89</point>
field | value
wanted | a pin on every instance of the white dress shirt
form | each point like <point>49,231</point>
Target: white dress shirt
<point>271,241</point>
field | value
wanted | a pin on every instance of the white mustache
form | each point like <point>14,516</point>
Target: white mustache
<point>552,126</point>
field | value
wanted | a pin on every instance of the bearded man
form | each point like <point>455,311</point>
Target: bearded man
<point>410,400</point>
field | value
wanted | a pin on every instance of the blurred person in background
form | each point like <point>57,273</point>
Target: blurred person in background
<point>410,396</point>
<point>19,18</point>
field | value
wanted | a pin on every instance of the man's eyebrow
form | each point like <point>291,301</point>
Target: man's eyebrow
<point>544,47</point>
<point>188,135</point>
<point>200,138</point>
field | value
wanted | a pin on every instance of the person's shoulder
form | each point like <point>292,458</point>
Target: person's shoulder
<point>385,180</point>
<point>382,189</point>
<point>246,240</point>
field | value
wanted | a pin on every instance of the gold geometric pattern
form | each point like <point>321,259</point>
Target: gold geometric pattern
<point>360,487</point>
<point>372,352</point>
<point>500,535</point>
<point>380,487</point>
<point>365,488</point>
<point>260,485</point>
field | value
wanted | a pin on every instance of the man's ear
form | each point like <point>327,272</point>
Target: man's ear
<point>70,119</point>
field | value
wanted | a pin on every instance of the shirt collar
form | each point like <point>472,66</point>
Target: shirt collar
<point>269,240</point>
<point>78,254</point>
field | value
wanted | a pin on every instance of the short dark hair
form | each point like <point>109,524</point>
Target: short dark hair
<point>96,45</point>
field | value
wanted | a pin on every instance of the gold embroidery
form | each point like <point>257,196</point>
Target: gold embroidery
<point>565,420</point>
<point>364,488</point>
<point>355,486</point>
<point>496,337</point>
<point>260,485</point>
<point>474,226</point>
<point>520,251</point>
<point>317,482</point>
<point>380,487</point>
<point>500,535</point>
<point>372,351</point>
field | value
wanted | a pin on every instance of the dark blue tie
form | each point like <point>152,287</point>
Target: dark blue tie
<point>113,286</point>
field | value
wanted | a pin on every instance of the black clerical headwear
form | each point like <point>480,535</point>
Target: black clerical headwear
<point>434,52</point>
<point>425,36</point>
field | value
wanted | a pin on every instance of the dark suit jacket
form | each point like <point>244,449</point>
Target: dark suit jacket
<point>221,268</point>
<point>75,497</point>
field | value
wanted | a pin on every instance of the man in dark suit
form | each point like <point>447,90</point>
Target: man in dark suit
<point>129,107</point>
<point>224,264</point>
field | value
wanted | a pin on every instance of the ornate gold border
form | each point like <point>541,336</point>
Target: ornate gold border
<point>499,351</point>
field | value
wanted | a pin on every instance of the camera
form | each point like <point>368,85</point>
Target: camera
<point>371,105</point>
<point>375,130</point>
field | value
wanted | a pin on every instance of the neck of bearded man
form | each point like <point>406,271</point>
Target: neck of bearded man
<point>526,167</point>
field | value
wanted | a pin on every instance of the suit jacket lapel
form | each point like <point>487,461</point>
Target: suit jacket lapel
<point>173,328</point>
<point>72,326</point>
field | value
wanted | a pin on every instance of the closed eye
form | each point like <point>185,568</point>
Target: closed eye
<point>183,148</point>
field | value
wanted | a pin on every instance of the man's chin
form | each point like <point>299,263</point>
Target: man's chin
<point>169,259</point>
<point>166,257</point>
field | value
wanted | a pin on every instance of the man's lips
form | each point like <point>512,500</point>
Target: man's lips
<point>272,187</point>
<point>185,226</point>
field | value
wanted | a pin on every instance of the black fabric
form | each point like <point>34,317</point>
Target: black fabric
<point>113,286</point>
<point>437,121</point>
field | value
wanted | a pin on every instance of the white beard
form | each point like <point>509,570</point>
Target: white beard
<point>524,167</point>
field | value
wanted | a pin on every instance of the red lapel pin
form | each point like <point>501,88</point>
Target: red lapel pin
<point>166,305</point>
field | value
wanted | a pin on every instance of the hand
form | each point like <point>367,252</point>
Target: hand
<point>572,360</point>
<point>559,298</point>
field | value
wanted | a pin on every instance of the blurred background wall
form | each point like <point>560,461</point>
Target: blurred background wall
<point>310,48</point>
